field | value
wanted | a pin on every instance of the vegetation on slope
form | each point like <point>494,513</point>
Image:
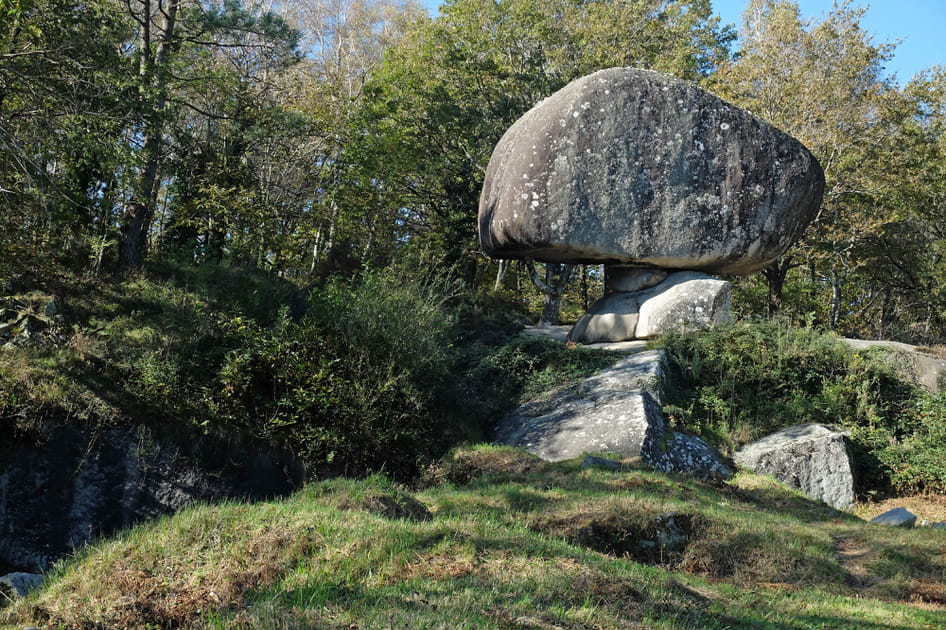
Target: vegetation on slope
<point>499,539</point>
<point>381,371</point>
<point>740,382</point>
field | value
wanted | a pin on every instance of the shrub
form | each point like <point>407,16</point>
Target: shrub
<point>740,382</point>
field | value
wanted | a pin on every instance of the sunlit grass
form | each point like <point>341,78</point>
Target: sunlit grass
<point>499,539</point>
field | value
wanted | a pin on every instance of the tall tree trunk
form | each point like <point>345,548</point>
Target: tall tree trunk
<point>501,274</point>
<point>552,287</point>
<point>138,217</point>
<point>837,282</point>
<point>775,275</point>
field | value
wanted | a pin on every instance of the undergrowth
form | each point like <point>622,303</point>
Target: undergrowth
<point>384,370</point>
<point>740,382</point>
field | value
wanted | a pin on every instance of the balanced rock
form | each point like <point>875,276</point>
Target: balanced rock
<point>633,166</point>
<point>809,457</point>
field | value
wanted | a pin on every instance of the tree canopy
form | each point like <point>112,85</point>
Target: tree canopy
<point>312,138</point>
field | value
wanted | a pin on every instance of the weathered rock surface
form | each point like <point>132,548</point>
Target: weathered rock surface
<point>630,279</point>
<point>76,486</point>
<point>633,166</point>
<point>18,585</point>
<point>685,299</point>
<point>897,517</point>
<point>809,457</point>
<point>926,370</point>
<point>615,411</point>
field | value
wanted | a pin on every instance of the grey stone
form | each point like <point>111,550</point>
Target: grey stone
<point>809,457</point>
<point>897,517</point>
<point>615,411</point>
<point>607,412</point>
<point>635,167</point>
<point>926,370</point>
<point>673,531</point>
<point>80,484</point>
<point>684,453</point>
<point>630,279</point>
<point>612,318</point>
<point>939,525</point>
<point>685,299</point>
<point>18,585</point>
<point>53,308</point>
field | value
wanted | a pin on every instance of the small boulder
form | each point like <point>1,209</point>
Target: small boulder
<point>897,517</point>
<point>19,585</point>
<point>809,457</point>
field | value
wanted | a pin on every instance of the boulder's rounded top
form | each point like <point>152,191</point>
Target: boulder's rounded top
<point>633,166</point>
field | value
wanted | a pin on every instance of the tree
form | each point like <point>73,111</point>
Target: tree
<point>445,94</point>
<point>821,81</point>
<point>62,104</point>
<point>172,35</point>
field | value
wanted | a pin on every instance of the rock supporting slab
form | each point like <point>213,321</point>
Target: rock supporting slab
<point>809,457</point>
<point>685,299</point>
<point>633,166</point>
<point>615,411</point>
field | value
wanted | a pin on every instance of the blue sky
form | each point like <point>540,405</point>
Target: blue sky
<point>920,25</point>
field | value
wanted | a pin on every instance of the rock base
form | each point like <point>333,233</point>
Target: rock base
<point>685,299</point>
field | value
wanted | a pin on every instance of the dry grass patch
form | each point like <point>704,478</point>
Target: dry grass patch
<point>929,507</point>
<point>168,576</point>
<point>499,462</point>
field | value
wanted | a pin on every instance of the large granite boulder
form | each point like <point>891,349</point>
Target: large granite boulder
<point>685,299</point>
<point>633,166</point>
<point>615,411</point>
<point>809,457</point>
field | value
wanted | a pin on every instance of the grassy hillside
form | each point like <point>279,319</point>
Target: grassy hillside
<point>498,539</point>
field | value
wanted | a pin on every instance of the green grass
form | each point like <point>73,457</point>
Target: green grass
<point>505,541</point>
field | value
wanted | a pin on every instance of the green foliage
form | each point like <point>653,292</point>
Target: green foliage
<point>495,369</point>
<point>740,382</point>
<point>917,462</point>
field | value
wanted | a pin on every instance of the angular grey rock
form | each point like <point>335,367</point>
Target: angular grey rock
<point>633,166</point>
<point>897,517</point>
<point>684,453</point>
<point>606,412</point>
<point>614,411</point>
<point>612,318</point>
<point>18,585</point>
<point>80,484</point>
<point>939,525</point>
<point>809,457</point>
<point>684,299</point>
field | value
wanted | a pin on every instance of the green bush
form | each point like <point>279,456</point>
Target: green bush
<point>917,461</point>
<point>740,382</point>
